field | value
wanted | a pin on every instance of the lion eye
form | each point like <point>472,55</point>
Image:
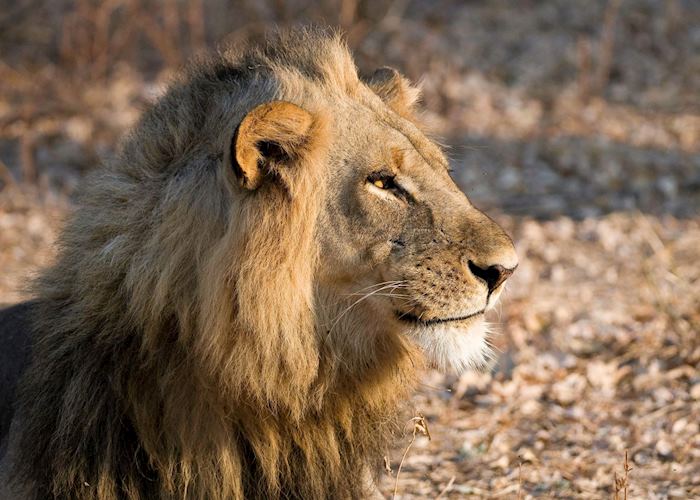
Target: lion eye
<point>382,181</point>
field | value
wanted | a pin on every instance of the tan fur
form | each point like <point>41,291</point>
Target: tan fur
<point>199,335</point>
<point>395,90</point>
<point>285,125</point>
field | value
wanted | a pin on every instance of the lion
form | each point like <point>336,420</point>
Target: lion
<point>245,295</point>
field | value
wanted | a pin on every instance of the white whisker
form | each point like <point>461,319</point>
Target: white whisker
<point>388,294</point>
<point>399,283</point>
<point>347,309</point>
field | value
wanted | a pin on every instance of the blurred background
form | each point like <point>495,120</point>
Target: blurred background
<point>575,124</point>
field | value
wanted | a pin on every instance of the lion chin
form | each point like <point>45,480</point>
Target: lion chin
<point>455,347</point>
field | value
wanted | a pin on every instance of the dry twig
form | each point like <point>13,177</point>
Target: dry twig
<point>520,480</point>
<point>607,44</point>
<point>420,426</point>
<point>621,484</point>
<point>447,488</point>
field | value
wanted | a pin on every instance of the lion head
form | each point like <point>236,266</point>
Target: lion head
<point>243,294</point>
<point>398,235</point>
<point>399,248</point>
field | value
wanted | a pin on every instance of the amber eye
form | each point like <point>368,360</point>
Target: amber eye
<point>382,180</point>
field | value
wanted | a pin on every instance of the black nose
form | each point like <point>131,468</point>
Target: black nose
<point>492,275</point>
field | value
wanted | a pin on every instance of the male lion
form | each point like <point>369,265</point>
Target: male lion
<point>244,295</point>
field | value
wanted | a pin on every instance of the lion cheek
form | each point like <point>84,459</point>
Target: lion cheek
<point>379,253</point>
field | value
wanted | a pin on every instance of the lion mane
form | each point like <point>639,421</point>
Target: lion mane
<point>177,352</point>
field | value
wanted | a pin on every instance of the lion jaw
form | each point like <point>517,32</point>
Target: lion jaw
<point>455,347</point>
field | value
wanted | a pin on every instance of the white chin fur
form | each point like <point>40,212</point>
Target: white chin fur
<point>455,347</point>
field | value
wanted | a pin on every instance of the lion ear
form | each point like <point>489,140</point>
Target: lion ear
<point>271,135</point>
<point>394,89</point>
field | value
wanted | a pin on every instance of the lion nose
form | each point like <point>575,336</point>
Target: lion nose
<point>494,275</point>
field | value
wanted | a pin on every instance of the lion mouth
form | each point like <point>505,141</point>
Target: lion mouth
<point>411,318</point>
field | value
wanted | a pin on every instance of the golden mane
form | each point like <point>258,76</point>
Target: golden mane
<point>178,351</point>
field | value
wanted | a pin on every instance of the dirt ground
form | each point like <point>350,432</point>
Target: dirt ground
<point>575,124</point>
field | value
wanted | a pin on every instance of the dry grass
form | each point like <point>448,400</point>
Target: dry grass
<point>621,483</point>
<point>420,427</point>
